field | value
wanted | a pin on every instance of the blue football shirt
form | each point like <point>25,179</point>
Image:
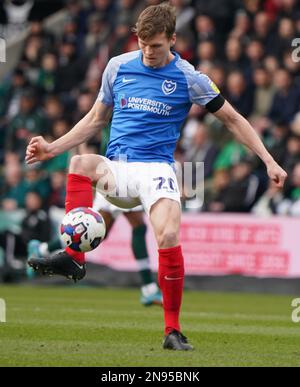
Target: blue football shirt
<point>150,105</point>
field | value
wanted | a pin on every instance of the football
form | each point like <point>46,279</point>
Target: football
<point>82,229</point>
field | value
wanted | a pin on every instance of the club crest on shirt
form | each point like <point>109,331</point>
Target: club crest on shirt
<point>168,87</point>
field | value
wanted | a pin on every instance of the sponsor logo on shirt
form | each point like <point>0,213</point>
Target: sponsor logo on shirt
<point>126,80</point>
<point>144,104</point>
<point>122,101</point>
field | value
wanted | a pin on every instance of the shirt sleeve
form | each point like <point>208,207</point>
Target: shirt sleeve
<point>106,91</point>
<point>201,88</point>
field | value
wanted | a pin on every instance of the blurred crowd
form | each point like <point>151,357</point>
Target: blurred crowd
<point>245,46</point>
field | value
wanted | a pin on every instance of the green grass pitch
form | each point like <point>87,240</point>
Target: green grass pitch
<point>81,326</point>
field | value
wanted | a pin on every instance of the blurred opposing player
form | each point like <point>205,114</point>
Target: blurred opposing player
<point>150,92</point>
<point>150,293</point>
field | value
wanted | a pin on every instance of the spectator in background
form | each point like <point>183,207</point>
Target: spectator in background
<point>271,64</point>
<point>268,203</point>
<point>234,56</point>
<point>10,93</point>
<point>12,189</point>
<point>202,150</point>
<point>251,7</point>
<point>264,92</point>
<point>28,122</point>
<point>285,103</point>
<point>71,67</point>
<point>222,12</point>
<point>285,35</point>
<point>292,66</point>
<point>150,2</point>
<point>70,32</point>
<point>276,139</point>
<point>97,34</point>
<point>31,57</point>
<point>36,28</point>
<point>76,10</point>
<point>292,153</point>
<point>18,182</point>
<point>92,81</point>
<point>295,124</point>
<point>106,8</point>
<point>47,76</point>
<point>242,27</point>
<point>58,189</point>
<point>85,101</point>
<point>206,53</point>
<point>205,67</point>
<point>217,74</point>
<point>16,12</point>
<point>36,224</point>
<point>254,53</point>
<point>240,192</point>
<point>205,29</point>
<point>288,8</point>
<point>189,128</point>
<point>35,179</point>
<point>184,15</point>
<point>59,128</point>
<point>262,29</point>
<point>229,155</point>
<point>129,9</point>
<point>122,36</point>
<point>53,108</point>
<point>184,47</point>
<point>297,23</point>
<point>238,94</point>
<point>215,192</point>
<point>291,204</point>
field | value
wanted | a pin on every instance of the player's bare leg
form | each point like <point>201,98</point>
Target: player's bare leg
<point>84,170</point>
<point>165,217</point>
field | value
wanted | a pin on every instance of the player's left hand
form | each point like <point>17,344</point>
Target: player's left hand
<point>276,174</point>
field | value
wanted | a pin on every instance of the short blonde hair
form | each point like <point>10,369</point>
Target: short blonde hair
<point>156,19</point>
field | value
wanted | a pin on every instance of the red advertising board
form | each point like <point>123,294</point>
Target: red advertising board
<point>217,245</point>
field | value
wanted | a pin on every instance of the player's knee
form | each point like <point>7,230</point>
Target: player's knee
<point>78,165</point>
<point>75,164</point>
<point>168,239</point>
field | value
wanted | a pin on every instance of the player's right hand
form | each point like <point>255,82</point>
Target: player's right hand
<point>37,150</point>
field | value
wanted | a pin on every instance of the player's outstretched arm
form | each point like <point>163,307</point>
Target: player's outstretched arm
<point>39,149</point>
<point>245,134</point>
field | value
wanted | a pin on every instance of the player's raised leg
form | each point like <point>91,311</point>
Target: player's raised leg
<point>83,172</point>
<point>165,217</point>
